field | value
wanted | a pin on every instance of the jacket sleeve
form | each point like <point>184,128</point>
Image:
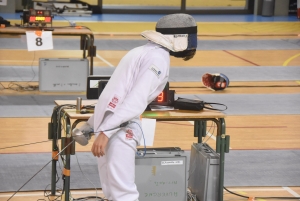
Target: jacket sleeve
<point>137,99</point>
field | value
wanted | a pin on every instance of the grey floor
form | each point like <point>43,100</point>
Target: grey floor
<point>242,167</point>
<point>238,104</point>
<point>177,74</point>
<point>122,44</point>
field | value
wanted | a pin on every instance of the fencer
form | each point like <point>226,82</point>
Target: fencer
<point>138,79</point>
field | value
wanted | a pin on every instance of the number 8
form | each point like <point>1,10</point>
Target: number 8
<point>38,41</point>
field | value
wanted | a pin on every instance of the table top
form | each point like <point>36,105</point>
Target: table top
<point>56,31</point>
<point>170,115</point>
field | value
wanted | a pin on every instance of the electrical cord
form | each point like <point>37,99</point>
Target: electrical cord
<point>88,106</point>
<point>191,87</point>
<point>40,170</point>
<point>207,35</point>
<point>86,176</point>
<point>191,196</point>
<point>32,66</point>
<point>123,125</point>
<point>211,133</point>
<point>25,144</point>
<point>192,199</point>
<point>47,195</point>
<point>3,87</point>
<point>58,110</point>
<point>20,87</point>
<point>57,189</point>
<point>145,149</point>
<point>90,197</point>
<point>267,35</point>
<point>61,27</point>
<point>291,198</point>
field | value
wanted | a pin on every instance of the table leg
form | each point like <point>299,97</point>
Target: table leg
<point>222,147</point>
<point>199,130</point>
<point>87,44</point>
<point>53,171</point>
<point>54,133</point>
<point>92,55</point>
<point>67,170</point>
<point>67,141</point>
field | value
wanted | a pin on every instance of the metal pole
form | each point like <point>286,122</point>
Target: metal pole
<point>92,56</point>
<point>222,159</point>
<point>54,134</point>
<point>67,177</point>
<point>67,168</point>
<point>53,171</point>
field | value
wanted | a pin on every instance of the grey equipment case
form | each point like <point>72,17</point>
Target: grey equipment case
<point>203,179</point>
<point>63,74</point>
<point>161,174</point>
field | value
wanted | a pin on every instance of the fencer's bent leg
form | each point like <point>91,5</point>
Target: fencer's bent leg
<point>117,168</point>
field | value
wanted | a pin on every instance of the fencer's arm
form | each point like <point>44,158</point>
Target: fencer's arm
<point>90,121</point>
<point>135,102</point>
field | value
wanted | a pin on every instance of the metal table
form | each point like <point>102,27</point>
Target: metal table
<point>86,38</point>
<point>199,117</point>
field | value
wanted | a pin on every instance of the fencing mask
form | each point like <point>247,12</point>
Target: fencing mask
<point>215,82</point>
<point>176,32</point>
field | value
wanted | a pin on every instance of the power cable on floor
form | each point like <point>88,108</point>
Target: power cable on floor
<point>86,176</point>
<point>92,198</point>
<point>279,198</point>
<point>187,87</point>
<point>27,87</point>
<point>40,170</point>
<point>3,87</point>
<point>202,35</point>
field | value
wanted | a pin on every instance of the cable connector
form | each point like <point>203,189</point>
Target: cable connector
<point>125,124</point>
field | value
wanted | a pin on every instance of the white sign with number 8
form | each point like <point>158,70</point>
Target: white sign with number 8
<point>39,40</point>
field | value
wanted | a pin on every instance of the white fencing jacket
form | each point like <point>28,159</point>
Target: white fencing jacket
<point>138,79</point>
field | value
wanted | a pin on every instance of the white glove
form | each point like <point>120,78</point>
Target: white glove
<point>83,134</point>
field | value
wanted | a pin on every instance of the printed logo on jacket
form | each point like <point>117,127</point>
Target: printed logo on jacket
<point>114,102</point>
<point>129,134</point>
<point>155,70</point>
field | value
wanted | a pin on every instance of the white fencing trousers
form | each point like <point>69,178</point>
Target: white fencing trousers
<point>117,167</point>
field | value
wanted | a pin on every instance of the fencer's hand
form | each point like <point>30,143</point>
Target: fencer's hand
<point>99,145</point>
